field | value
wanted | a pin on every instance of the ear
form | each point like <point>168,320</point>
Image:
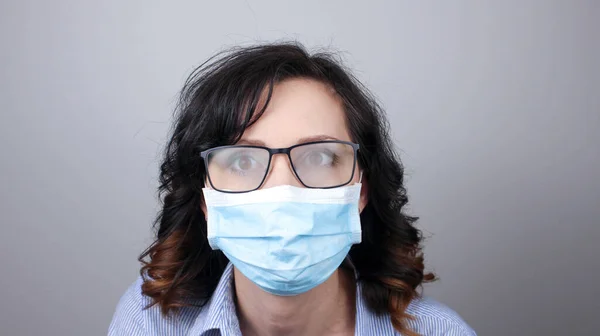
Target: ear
<point>364,195</point>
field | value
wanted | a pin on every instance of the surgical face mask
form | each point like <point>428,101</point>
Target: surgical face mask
<point>285,239</point>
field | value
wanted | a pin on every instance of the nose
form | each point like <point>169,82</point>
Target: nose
<point>280,173</point>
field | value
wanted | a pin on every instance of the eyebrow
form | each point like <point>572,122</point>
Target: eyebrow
<point>316,138</point>
<point>312,138</point>
<point>251,142</point>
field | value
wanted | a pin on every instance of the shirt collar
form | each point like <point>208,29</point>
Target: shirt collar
<point>220,313</point>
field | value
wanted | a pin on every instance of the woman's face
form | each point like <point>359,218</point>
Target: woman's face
<point>300,111</point>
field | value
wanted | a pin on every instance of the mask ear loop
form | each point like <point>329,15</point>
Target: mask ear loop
<point>348,260</point>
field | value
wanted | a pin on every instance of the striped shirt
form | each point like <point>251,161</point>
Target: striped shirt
<point>218,317</point>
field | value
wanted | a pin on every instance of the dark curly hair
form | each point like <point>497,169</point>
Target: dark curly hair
<point>220,99</point>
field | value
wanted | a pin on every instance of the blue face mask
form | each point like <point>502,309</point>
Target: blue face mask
<point>287,240</point>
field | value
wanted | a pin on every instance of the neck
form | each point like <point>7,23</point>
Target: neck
<point>326,309</point>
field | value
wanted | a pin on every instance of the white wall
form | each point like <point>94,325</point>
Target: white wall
<point>495,106</point>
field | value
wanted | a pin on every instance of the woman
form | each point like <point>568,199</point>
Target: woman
<point>282,213</point>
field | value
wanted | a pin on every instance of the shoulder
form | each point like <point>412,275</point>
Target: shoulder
<point>128,317</point>
<point>434,318</point>
<point>131,318</point>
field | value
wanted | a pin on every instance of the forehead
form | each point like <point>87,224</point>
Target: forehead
<point>299,108</point>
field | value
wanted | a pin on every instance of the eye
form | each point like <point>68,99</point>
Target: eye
<point>243,163</point>
<point>321,158</point>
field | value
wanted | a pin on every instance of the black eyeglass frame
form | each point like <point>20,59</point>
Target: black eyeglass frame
<point>273,151</point>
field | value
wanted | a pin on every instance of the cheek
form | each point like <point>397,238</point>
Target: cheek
<point>362,203</point>
<point>203,208</point>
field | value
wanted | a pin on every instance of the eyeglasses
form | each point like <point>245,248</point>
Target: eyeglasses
<point>244,168</point>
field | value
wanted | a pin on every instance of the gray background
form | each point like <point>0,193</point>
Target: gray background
<point>494,105</point>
